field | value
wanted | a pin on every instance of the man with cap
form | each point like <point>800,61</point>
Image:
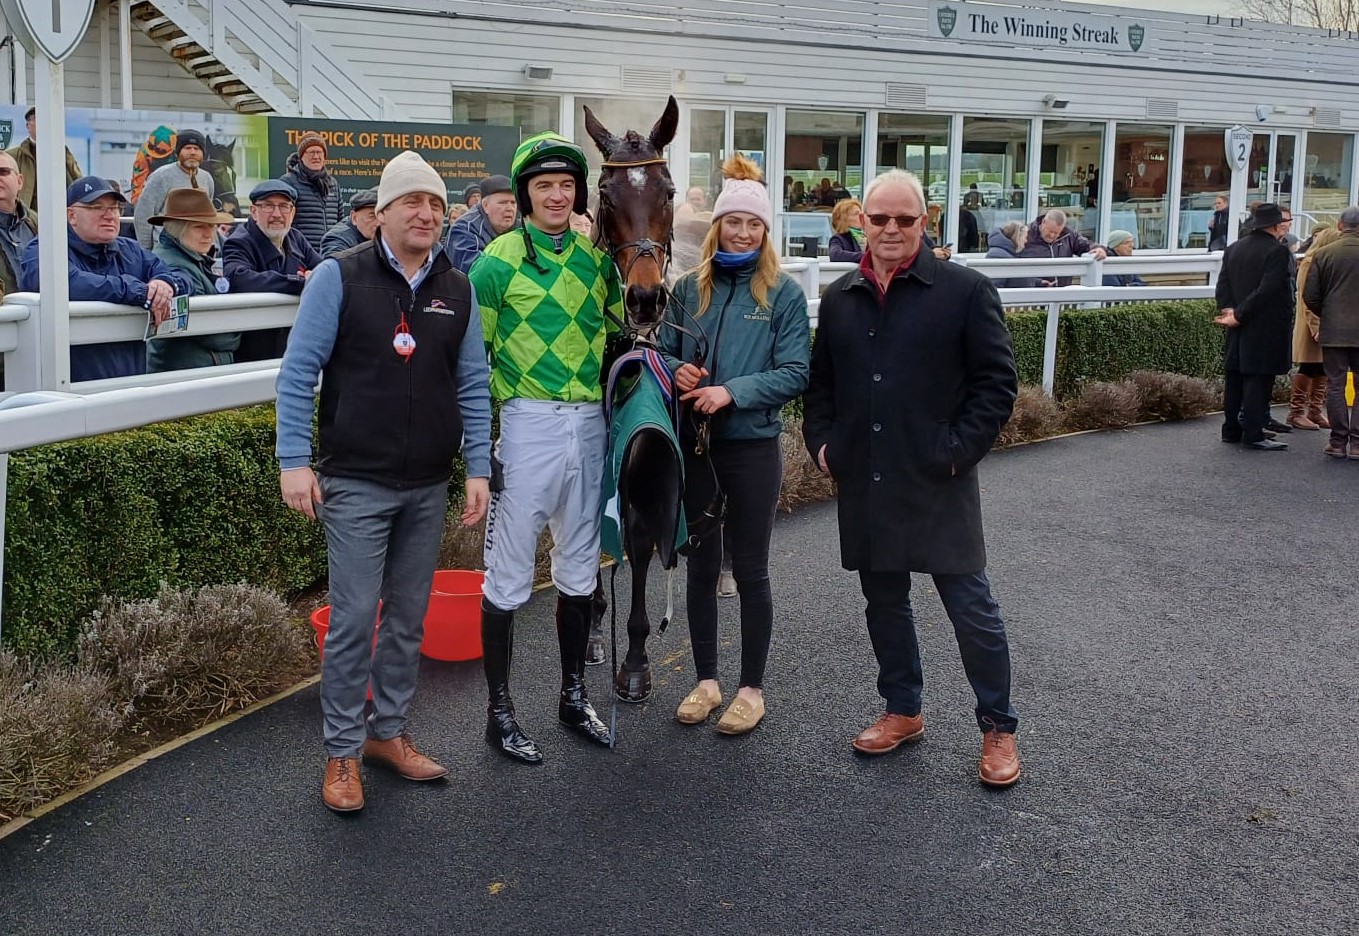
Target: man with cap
<point>190,149</point>
<point>318,195</point>
<point>188,243</point>
<point>1120,244</point>
<point>1255,300</point>
<point>545,299</point>
<point>356,228</point>
<point>492,216</point>
<point>17,224</point>
<point>107,268</point>
<point>267,254</point>
<point>1331,292</point>
<point>25,153</point>
<point>396,334</point>
<point>471,195</point>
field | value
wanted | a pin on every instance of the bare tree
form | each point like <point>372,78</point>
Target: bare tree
<point>1323,14</point>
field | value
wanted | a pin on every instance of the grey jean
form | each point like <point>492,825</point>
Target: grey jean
<point>382,543</point>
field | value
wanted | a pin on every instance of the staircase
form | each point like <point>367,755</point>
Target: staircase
<point>259,58</point>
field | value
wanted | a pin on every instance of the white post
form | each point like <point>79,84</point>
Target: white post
<point>305,74</point>
<point>54,322</point>
<point>125,54</point>
<point>1050,349</point>
<point>105,62</point>
<point>1105,195</point>
<point>20,73</point>
<point>1175,188</point>
<point>953,189</point>
<point>1034,170</point>
<point>1236,211</point>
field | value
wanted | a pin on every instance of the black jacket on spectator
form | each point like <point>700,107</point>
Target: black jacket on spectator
<point>318,201</point>
<point>845,249</point>
<point>908,393</point>
<point>1254,282</point>
<point>1217,231</point>
<point>341,236</point>
<point>1332,291</point>
<point>252,263</point>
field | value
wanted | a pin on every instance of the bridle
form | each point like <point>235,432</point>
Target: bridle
<point>658,253</point>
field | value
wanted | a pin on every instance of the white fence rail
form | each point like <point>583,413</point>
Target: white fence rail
<point>31,416</point>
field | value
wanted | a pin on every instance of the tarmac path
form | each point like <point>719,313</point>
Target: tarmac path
<point>1182,617</point>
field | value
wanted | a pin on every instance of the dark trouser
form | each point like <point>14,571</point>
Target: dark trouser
<point>1312,369</point>
<point>1338,363</point>
<point>977,625</point>
<point>750,472</point>
<point>1245,405</point>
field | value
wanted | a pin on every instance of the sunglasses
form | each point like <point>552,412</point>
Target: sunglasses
<point>903,221</point>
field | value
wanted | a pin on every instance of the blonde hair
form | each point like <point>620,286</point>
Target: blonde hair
<point>845,214</point>
<point>766,276</point>
<point>1323,236</point>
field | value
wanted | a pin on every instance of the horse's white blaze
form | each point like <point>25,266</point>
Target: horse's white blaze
<point>637,176</point>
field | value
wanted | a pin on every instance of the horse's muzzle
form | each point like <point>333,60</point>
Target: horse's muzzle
<point>645,305</point>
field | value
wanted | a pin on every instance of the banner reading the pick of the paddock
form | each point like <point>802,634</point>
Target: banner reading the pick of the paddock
<point>1029,26</point>
<point>356,150</point>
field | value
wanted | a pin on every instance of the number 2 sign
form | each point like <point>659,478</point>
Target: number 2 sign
<point>1238,140</point>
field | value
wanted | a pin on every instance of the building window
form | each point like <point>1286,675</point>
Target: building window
<point>1326,184</point>
<point>994,174</point>
<point>531,113</point>
<point>1069,172</point>
<point>919,144</point>
<point>1204,173</point>
<point>1141,183</point>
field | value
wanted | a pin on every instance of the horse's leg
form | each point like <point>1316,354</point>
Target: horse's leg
<point>594,650</point>
<point>633,683</point>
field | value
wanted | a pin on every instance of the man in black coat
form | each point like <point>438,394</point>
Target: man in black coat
<point>1256,305</point>
<point>913,376</point>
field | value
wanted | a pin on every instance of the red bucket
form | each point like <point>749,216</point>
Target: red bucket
<point>453,621</point>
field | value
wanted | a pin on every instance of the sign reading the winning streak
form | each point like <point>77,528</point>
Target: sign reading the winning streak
<point>1050,29</point>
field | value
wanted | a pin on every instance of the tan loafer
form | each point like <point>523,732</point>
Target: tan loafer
<point>697,706</point>
<point>741,716</point>
<point>401,755</point>
<point>342,789</point>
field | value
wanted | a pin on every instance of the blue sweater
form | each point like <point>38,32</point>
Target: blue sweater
<point>309,348</point>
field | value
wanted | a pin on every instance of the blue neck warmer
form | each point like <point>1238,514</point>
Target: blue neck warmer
<point>734,261</point>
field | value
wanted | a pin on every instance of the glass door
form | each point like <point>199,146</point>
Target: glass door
<point>1281,169</point>
<point>714,133</point>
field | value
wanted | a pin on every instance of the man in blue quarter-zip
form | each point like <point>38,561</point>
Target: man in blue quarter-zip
<point>396,333</point>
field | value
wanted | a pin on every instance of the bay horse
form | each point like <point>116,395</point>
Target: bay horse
<point>633,226</point>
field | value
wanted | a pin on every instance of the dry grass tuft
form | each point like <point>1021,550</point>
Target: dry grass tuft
<point>1036,416</point>
<point>803,482</point>
<point>188,656</point>
<point>1173,396</point>
<point>57,730</point>
<point>1102,405</point>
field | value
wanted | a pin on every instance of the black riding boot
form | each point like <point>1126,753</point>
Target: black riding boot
<point>502,730</point>
<point>594,648</point>
<point>573,633</point>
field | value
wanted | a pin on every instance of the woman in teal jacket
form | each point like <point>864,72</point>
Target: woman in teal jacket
<point>753,322</point>
<point>187,243</point>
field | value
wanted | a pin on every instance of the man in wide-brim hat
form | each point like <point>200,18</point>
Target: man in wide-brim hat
<point>188,242</point>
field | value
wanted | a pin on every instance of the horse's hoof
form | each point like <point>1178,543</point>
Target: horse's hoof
<point>633,686</point>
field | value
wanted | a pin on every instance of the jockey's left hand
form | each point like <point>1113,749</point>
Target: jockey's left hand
<point>709,399</point>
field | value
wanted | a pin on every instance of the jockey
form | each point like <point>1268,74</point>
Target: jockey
<point>546,294</point>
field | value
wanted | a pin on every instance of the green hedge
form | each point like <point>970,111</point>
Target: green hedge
<point>196,502</point>
<point>1111,342</point>
<point>190,503</point>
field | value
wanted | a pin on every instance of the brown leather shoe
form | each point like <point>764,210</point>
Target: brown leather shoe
<point>889,732</point>
<point>399,754</point>
<point>999,759</point>
<point>342,790</point>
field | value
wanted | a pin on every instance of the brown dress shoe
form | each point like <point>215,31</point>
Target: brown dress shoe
<point>889,732</point>
<point>342,790</point>
<point>999,759</point>
<point>399,753</point>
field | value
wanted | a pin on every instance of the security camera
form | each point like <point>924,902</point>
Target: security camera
<point>1262,112</point>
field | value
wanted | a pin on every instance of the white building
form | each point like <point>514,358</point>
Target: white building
<point>1116,115</point>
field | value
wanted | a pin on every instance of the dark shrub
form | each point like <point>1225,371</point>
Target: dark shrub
<point>1102,405</point>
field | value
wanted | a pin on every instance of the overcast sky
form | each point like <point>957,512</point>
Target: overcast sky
<point>1223,7</point>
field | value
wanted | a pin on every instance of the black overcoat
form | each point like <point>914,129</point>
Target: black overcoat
<point>908,393</point>
<point>1255,282</point>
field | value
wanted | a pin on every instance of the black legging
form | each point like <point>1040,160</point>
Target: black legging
<point>750,472</point>
<point>1312,370</point>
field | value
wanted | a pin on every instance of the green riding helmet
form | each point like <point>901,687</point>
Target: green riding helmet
<point>548,152</point>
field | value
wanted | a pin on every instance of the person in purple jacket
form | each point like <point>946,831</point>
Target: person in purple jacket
<point>267,255</point>
<point>104,267</point>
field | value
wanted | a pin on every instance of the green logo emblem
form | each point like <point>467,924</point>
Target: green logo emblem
<point>1135,36</point>
<point>948,18</point>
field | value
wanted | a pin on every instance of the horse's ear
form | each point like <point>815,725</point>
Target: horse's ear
<point>605,140</point>
<point>666,125</point>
